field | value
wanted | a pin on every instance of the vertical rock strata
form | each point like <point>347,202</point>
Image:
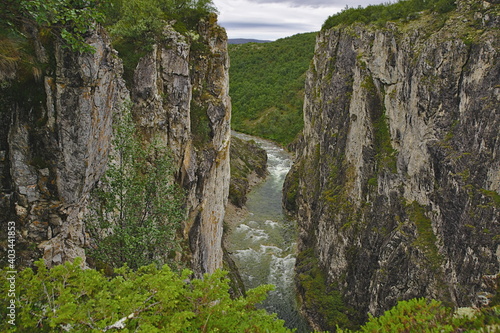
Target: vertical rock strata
<point>56,133</point>
<point>397,178</point>
<point>180,94</point>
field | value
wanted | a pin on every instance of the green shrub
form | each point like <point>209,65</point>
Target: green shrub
<point>385,155</point>
<point>69,298</point>
<point>139,208</point>
<point>421,316</point>
<point>427,239</point>
<point>69,19</point>
<point>380,14</point>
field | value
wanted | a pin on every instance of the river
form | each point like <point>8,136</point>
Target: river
<point>264,244</point>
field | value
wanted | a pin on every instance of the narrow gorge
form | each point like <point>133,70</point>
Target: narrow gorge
<point>390,191</point>
<point>261,239</point>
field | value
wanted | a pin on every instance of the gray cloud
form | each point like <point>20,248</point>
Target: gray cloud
<point>322,3</point>
<point>257,25</point>
<point>273,19</point>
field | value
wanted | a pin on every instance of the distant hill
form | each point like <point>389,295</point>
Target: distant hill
<point>267,86</point>
<point>246,40</point>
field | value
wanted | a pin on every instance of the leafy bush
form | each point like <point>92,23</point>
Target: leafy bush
<point>421,315</point>
<point>380,14</point>
<point>69,298</point>
<point>143,20</point>
<point>70,19</point>
<point>138,208</point>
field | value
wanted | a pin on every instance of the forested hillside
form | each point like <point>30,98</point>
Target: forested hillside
<point>267,86</point>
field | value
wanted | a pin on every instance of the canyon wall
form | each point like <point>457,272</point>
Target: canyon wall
<point>180,93</point>
<point>397,178</point>
<point>57,130</point>
<point>56,133</point>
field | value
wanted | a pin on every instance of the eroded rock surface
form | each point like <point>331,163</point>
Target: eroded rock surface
<point>396,184</point>
<point>57,129</point>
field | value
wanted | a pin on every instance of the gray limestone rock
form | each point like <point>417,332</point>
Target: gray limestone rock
<point>59,132</point>
<point>56,135</point>
<point>396,179</point>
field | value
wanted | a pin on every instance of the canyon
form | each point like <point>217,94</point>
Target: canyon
<point>396,176</point>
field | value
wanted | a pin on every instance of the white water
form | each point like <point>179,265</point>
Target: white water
<point>263,246</point>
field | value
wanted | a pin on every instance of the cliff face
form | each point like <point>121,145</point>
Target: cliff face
<point>180,93</point>
<point>57,131</point>
<point>397,178</point>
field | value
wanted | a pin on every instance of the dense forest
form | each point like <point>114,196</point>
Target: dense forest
<point>267,86</point>
<point>383,13</point>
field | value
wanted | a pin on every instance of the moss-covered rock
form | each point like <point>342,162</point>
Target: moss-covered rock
<point>248,165</point>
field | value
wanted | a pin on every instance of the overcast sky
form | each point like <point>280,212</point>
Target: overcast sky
<point>273,19</point>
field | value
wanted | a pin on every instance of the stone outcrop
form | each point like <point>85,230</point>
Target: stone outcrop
<point>180,94</point>
<point>56,134</point>
<point>397,178</point>
<point>248,168</point>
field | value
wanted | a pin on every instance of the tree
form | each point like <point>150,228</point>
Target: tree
<point>420,316</point>
<point>69,19</point>
<point>139,207</point>
<point>69,298</point>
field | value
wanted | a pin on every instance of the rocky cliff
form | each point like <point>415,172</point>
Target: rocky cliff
<point>397,178</point>
<point>56,134</point>
<point>180,93</point>
<point>248,168</point>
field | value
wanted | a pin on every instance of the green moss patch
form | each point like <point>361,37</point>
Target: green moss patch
<point>426,240</point>
<point>317,295</point>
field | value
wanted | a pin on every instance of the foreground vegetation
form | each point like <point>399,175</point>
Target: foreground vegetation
<point>69,298</point>
<point>421,316</point>
<point>267,86</point>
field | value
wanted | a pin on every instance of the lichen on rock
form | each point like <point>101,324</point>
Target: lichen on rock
<point>398,157</point>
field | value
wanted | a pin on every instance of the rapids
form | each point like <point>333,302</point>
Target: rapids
<point>264,244</point>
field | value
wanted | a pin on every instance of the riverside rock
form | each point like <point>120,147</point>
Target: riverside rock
<point>397,177</point>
